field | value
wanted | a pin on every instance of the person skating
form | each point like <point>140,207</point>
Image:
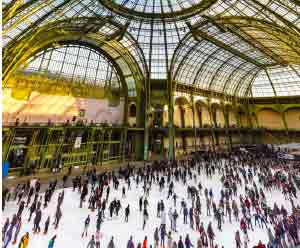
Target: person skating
<point>111,243</point>
<point>187,242</point>
<point>118,207</point>
<point>37,220</point>
<point>145,242</point>
<point>180,243</point>
<point>210,234</point>
<point>238,241</point>
<point>91,243</point>
<point>156,238</point>
<point>51,242</point>
<point>130,243</point>
<point>58,216</point>
<point>32,209</point>
<point>8,236</point>
<point>123,192</point>
<point>145,218</point>
<point>5,227</point>
<point>141,204</point>
<point>185,214</point>
<point>21,208</point>
<point>18,228</point>
<point>162,235</point>
<point>99,222</point>
<point>86,226</point>
<point>260,245</point>
<point>97,239</point>
<point>175,216</point>
<point>24,241</point>
<point>127,212</point>
<point>47,222</point>
<point>29,196</point>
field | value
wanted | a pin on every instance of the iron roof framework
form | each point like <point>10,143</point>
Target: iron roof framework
<point>240,48</point>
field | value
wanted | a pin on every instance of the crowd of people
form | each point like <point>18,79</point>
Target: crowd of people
<point>255,173</point>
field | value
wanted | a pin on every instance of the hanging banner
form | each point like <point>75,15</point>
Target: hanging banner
<point>5,168</point>
<point>78,142</point>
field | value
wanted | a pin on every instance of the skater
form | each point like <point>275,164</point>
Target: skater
<point>51,242</point>
<point>97,238</point>
<point>130,243</point>
<point>127,212</point>
<point>24,241</point>
<point>156,238</point>
<point>210,234</point>
<point>5,227</point>
<point>187,242</point>
<point>86,226</point>
<point>238,239</point>
<point>180,243</point>
<point>18,228</point>
<point>58,216</point>
<point>37,220</point>
<point>145,218</point>
<point>8,237</point>
<point>91,243</point>
<point>111,243</point>
<point>47,222</point>
<point>162,235</point>
<point>145,242</point>
<point>32,209</point>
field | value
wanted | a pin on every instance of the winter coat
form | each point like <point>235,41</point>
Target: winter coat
<point>145,243</point>
<point>91,244</point>
<point>180,244</point>
<point>51,243</point>
<point>188,243</point>
<point>130,244</point>
<point>24,242</point>
<point>156,237</point>
<point>111,244</point>
<point>260,246</point>
<point>199,243</point>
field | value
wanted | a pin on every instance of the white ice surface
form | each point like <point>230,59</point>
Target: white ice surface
<point>72,222</point>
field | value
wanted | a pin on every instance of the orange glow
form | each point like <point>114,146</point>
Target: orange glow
<point>41,107</point>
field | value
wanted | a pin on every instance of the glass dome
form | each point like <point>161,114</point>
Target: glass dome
<point>238,48</point>
<point>152,9</point>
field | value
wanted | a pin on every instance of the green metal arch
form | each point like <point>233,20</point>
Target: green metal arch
<point>49,34</point>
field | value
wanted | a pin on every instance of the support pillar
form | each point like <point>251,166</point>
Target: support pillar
<point>194,122</point>
<point>140,123</point>
<point>171,154</point>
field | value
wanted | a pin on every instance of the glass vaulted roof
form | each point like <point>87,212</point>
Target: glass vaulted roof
<point>244,48</point>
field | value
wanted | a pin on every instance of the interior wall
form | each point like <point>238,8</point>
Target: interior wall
<point>244,120</point>
<point>188,117</point>
<point>231,118</point>
<point>177,116</point>
<point>292,117</point>
<point>165,118</point>
<point>132,121</point>
<point>205,117</point>
<point>41,107</point>
<point>253,120</point>
<point>269,118</point>
<point>220,118</point>
<point>197,118</point>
